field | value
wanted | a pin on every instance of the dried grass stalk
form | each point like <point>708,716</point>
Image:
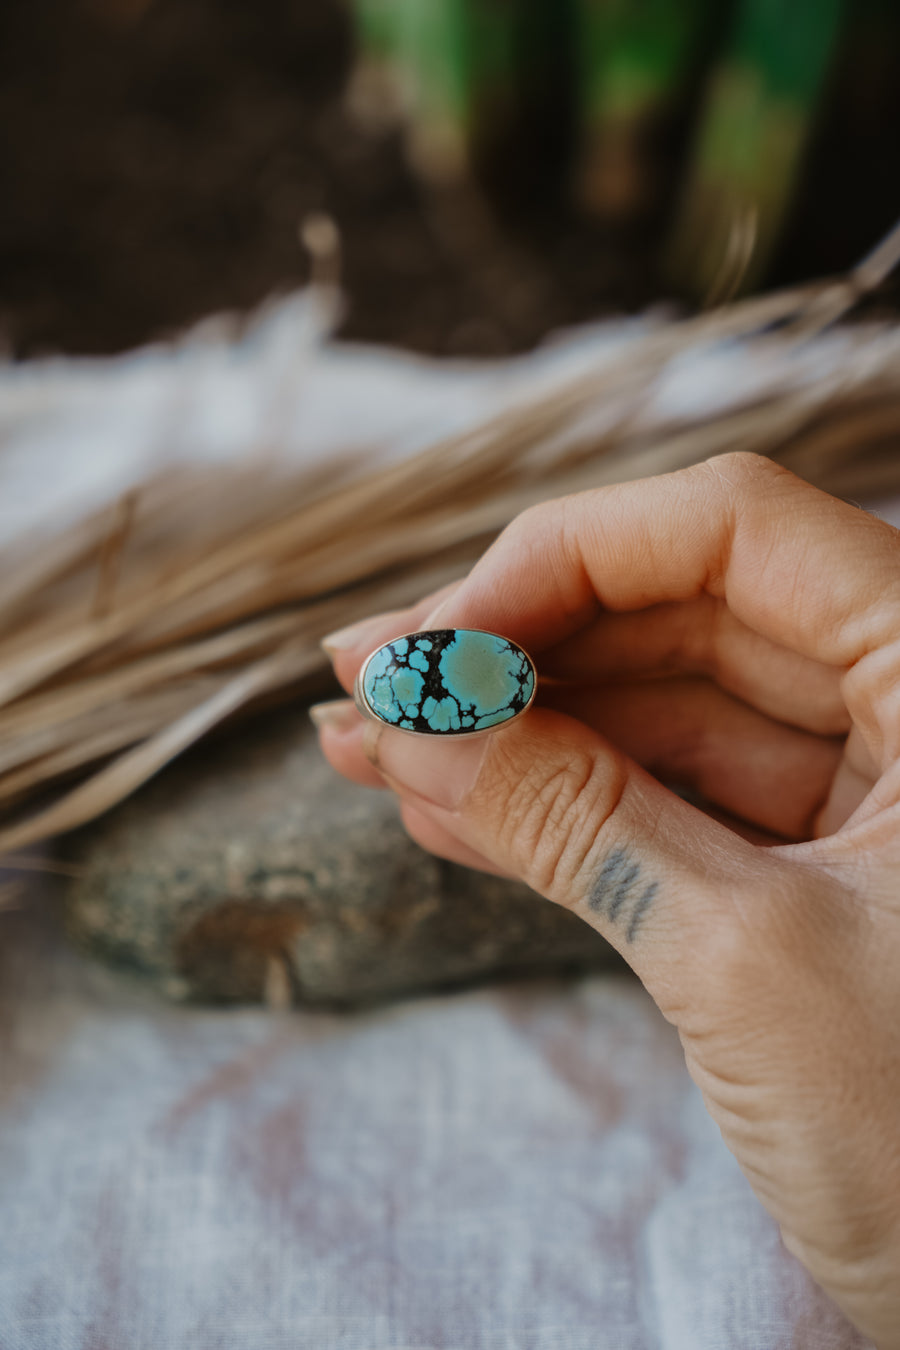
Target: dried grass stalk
<point>131,635</point>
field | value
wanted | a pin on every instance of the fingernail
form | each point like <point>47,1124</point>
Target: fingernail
<point>340,714</point>
<point>440,772</point>
<point>445,603</point>
<point>345,638</point>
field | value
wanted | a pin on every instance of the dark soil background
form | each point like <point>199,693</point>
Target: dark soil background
<point>157,156</point>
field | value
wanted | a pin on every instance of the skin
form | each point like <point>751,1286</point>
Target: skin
<point>732,630</point>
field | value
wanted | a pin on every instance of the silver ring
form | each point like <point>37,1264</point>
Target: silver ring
<point>446,682</point>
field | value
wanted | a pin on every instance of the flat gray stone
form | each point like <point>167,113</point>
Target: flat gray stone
<point>250,871</point>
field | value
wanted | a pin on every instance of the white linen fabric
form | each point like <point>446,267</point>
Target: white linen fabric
<point>522,1167</point>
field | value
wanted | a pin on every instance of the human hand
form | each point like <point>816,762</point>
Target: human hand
<point>731,629</point>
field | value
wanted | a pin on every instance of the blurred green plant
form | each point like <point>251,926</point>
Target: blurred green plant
<point>636,60</point>
<point>444,66</point>
<point>741,81</point>
<point>757,120</point>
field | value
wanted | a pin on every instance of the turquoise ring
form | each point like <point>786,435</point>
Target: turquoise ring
<point>446,682</point>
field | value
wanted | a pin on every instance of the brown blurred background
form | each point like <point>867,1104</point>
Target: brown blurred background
<point>157,157</point>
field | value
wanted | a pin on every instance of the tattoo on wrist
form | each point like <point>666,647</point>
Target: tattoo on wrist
<point>620,893</point>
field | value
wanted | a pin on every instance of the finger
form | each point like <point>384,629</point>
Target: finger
<point>687,732</point>
<point>690,732</point>
<point>802,569</point>
<point>349,647</point>
<point>549,801</point>
<point>853,780</point>
<point>435,839</point>
<point>702,636</point>
<point>340,729</point>
<point>340,733</point>
<point>743,828</point>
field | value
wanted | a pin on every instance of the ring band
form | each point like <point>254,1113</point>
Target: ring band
<point>446,682</point>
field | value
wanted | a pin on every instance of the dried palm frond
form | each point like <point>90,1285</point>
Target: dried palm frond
<point>199,590</point>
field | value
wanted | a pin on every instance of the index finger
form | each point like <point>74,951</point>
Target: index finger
<point>801,568</point>
<point>798,566</point>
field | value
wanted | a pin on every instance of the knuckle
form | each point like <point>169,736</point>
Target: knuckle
<point>546,540</point>
<point>742,468</point>
<point>733,972</point>
<point>713,638</point>
<point>552,815</point>
<point>741,474</point>
<point>528,525</point>
<point>778,942</point>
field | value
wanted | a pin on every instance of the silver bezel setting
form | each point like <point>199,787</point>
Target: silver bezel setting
<point>368,712</point>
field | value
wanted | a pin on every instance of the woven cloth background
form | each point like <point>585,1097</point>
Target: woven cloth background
<point>525,1167</point>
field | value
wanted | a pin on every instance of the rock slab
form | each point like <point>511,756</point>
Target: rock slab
<point>250,871</point>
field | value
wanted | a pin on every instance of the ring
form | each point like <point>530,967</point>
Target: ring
<point>446,682</point>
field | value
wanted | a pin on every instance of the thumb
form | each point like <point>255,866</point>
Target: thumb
<point>546,799</point>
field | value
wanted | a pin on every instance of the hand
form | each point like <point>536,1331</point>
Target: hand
<point>732,630</point>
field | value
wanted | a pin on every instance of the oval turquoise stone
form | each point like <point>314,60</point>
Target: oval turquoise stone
<point>448,681</point>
